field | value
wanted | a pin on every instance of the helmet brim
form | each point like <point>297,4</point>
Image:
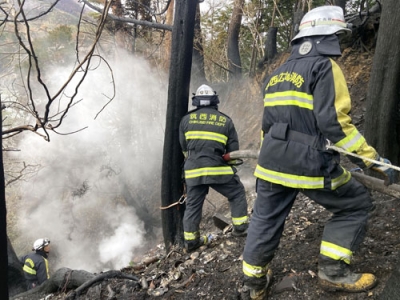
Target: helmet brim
<point>321,30</point>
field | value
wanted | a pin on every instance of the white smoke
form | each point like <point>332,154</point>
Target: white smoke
<point>77,198</point>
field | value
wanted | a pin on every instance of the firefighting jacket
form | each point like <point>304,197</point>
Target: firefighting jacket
<point>36,267</point>
<point>205,134</point>
<point>307,105</point>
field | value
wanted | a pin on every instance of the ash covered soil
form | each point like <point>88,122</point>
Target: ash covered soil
<point>215,271</point>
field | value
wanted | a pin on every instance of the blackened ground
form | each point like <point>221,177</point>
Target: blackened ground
<point>215,272</point>
<point>296,257</point>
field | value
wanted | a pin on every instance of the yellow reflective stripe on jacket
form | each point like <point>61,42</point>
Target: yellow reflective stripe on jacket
<point>254,271</point>
<point>295,98</point>
<point>206,135</point>
<point>47,268</point>
<point>352,142</point>
<point>208,171</point>
<point>190,236</point>
<point>289,180</point>
<point>336,252</point>
<point>29,269</point>
<point>240,220</point>
<point>342,179</point>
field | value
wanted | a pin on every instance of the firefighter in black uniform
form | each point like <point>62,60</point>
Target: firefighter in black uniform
<point>205,135</point>
<point>35,265</point>
<point>306,105</point>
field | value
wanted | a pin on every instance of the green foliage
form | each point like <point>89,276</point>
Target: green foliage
<point>214,26</point>
<point>258,17</point>
<point>57,46</point>
<point>60,35</point>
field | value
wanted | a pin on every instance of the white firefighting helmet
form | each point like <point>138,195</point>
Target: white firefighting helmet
<point>205,96</point>
<point>40,244</point>
<point>205,90</point>
<point>323,20</point>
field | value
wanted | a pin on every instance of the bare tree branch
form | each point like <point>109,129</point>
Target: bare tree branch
<point>130,20</point>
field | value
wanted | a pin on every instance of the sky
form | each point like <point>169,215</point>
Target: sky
<point>75,199</point>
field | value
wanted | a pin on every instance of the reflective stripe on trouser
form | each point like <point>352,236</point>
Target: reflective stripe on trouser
<point>233,190</point>
<point>349,204</point>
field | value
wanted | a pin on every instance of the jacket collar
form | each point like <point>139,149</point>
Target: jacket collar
<point>319,45</point>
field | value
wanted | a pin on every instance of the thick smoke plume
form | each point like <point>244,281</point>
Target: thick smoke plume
<point>97,191</point>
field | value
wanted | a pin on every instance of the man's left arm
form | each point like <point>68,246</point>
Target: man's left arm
<point>332,106</point>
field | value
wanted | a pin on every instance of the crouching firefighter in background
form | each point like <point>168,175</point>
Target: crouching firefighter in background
<point>306,103</point>
<point>205,135</point>
<point>36,266</point>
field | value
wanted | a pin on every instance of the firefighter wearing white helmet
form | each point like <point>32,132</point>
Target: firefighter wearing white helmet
<point>306,103</point>
<point>35,264</point>
<point>324,20</point>
<point>205,136</point>
<point>205,96</point>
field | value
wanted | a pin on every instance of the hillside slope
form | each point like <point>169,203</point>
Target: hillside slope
<point>214,272</point>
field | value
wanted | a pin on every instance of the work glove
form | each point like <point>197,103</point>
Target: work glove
<point>235,162</point>
<point>230,161</point>
<point>389,173</point>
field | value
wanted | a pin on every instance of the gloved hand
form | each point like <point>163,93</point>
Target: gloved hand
<point>235,162</point>
<point>232,161</point>
<point>389,173</point>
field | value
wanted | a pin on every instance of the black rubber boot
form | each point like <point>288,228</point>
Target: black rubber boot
<point>258,286</point>
<point>261,294</point>
<point>240,230</point>
<point>193,245</point>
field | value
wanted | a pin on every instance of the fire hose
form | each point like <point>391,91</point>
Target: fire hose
<point>369,181</point>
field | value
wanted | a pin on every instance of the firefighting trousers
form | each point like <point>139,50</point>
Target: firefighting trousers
<point>233,190</point>
<point>349,204</point>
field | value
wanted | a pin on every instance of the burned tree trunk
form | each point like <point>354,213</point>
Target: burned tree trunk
<point>16,279</point>
<point>198,74</point>
<point>3,225</point>
<point>382,119</point>
<point>177,106</point>
<point>235,64</point>
<point>270,46</point>
<point>298,15</point>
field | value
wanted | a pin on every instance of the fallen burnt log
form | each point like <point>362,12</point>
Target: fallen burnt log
<point>377,184</point>
<point>62,279</point>
<point>65,279</point>
<point>103,276</point>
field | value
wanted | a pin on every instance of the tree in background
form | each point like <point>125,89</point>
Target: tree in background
<point>382,119</point>
<point>3,227</point>
<point>198,76</point>
<point>178,94</point>
<point>234,62</point>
